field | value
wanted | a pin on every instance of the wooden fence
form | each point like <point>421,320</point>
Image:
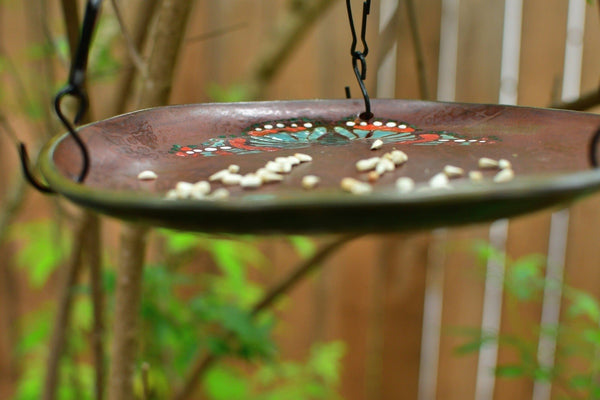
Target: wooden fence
<point>393,299</point>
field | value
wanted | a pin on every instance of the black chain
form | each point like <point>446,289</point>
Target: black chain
<point>359,62</point>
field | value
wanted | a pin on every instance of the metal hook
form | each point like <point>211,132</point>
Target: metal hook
<point>360,70</point>
<point>75,88</point>
<point>80,95</point>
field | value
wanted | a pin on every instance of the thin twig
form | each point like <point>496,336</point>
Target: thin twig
<point>298,18</point>
<point>70,11</point>
<point>132,49</point>
<point>145,381</point>
<point>69,279</point>
<point>418,46</point>
<point>144,13</point>
<point>204,361</point>
<point>93,258</point>
<point>584,102</point>
<point>216,33</point>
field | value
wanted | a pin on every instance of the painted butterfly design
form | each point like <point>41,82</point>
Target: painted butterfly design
<point>299,133</point>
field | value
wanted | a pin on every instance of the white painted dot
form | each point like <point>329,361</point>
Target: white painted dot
<point>189,152</point>
<point>258,129</point>
<point>197,150</point>
<point>210,149</point>
<point>402,126</point>
<point>308,125</point>
<point>268,126</point>
<point>473,140</point>
<point>444,140</point>
<point>482,141</point>
<point>363,123</point>
<point>390,124</point>
<point>459,140</point>
<point>378,123</point>
<point>225,147</point>
<point>280,125</point>
<point>294,125</point>
<point>350,123</point>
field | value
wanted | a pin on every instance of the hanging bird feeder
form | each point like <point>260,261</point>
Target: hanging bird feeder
<point>321,165</point>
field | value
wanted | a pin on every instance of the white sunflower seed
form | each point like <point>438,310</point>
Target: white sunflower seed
<point>251,181</point>
<point>184,189</point>
<point>377,144</point>
<point>217,176</point>
<point>486,163</point>
<point>405,184</point>
<point>439,181</point>
<point>475,176</point>
<point>303,157</point>
<point>171,194</point>
<point>201,188</point>
<point>367,164</point>
<point>453,172</point>
<point>504,164</point>
<point>398,157</point>
<point>504,175</point>
<point>384,165</point>
<point>268,176</point>
<point>234,169</point>
<point>355,186</point>
<point>147,175</point>
<point>232,179</point>
<point>293,160</point>
<point>219,194</point>
<point>310,181</point>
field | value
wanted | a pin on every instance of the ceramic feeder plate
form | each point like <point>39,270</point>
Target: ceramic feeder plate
<point>547,149</point>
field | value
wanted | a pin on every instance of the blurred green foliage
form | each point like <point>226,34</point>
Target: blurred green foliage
<point>576,367</point>
<point>183,314</point>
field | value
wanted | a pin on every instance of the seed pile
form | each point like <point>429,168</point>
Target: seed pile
<point>272,172</point>
<point>374,167</point>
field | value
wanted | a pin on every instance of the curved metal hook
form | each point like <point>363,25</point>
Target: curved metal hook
<point>28,174</point>
<point>75,88</point>
<point>83,104</point>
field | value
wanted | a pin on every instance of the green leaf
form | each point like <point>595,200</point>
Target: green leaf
<point>42,250</point>
<point>476,344</point>
<point>509,371</point>
<point>524,277</point>
<point>584,305</point>
<point>325,360</point>
<point>224,94</point>
<point>179,242</point>
<point>223,384</point>
<point>303,245</point>
<point>591,335</point>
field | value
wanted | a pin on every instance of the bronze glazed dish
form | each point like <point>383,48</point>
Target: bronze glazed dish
<point>546,148</point>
